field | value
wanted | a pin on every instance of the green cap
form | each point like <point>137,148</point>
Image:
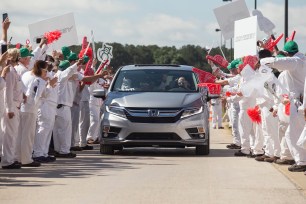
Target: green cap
<point>280,55</point>
<point>239,62</point>
<point>73,56</point>
<point>66,52</point>
<point>24,52</point>
<point>85,59</point>
<point>64,65</point>
<point>233,64</point>
<point>291,47</point>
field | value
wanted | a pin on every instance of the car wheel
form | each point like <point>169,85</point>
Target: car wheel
<point>106,149</point>
<point>202,150</point>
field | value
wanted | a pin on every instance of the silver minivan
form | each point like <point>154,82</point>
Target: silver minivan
<point>155,105</point>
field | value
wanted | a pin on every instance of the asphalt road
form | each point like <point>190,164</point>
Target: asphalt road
<point>151,175</point>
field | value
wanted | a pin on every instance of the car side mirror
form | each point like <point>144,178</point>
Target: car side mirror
<point>99,93</point>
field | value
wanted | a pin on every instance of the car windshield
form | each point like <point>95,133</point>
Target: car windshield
<point>155,80</point>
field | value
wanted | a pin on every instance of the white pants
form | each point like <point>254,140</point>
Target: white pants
<point>45,123</point>
<point>271,126</point>
<point>217,114</point>
<point>83,122</point>
<point>285,152</point>
<point>94,116</point>
<point>296,125</point>
<point>235,109</point>
<point>62,130</point>
<point>259,138</point>
<point>246,131</point>
<point>75,114</point>
<point>25,139</point>
<point>10,129</point>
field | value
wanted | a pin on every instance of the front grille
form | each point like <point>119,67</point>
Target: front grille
<point>160,115</point>
<point>153,136</point>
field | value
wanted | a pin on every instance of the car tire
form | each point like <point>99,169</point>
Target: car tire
<point>106,149</point>
<point>202,150</point>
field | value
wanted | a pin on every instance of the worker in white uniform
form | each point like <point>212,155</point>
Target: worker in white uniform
<point>62,127</point>
<point>94,110</point>
<point>3,66</point>
<point>295,64</point>
<point>13,96</point>
<point>46,118</point>
<point>35,83</point>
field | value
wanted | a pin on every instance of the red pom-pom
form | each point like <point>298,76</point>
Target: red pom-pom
<point>254,114</point>
<point>204,77</point>
<point>287,109</point>
<point>52,36</point>
<point>89,53</point>
<point>228,94</point>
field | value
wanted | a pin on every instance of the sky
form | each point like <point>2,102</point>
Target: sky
<point>148,22</point>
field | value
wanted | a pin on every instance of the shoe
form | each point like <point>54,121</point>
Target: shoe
<point>284,162</point>
<point>297,168</point>
<point>255,155</point>
<point>68,155</point>
<point>220,127</point>
<point>90,141</point>
<point>76,148</point>
<point>240,154</point>
<point>33,164</point>
<point>261,158</point>
<point>233,146</point>
<point>52,152</point>
<point>12,166</point>
<point>87,147</point>
<point>96,141</point>
<point>51,159</point>
<point>41,159</point>
<point>271,159</point>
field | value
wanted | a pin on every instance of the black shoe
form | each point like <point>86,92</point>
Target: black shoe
<point>233,146</point>
<point>76,148</point>
<point>220,127</point>
<point>51,159</point>
<point>87,147</point>
<point>12,166</point>
<point>68,155</point>
<point>285,162</point>
<point>41,159</point>
<point>52,152</point>
<point>240,154</point>
<point>255,155</point>
<point>33,164</point>
<point>297,168</point>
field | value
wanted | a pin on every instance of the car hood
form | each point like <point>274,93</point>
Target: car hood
<point>153,99</point>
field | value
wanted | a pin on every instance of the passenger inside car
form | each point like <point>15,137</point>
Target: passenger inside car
<point>182,85</point>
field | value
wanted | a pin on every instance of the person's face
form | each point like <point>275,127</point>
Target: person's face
<point>234,71</point>
<point>25,60</point>
<point>44,72</point>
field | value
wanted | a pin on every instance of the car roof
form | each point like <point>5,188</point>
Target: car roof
<point>157,66</point>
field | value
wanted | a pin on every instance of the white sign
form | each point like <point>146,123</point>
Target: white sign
<point>64,23</point>
<point>245,37</point>
<point>264,23</point>
<point>227,15</point>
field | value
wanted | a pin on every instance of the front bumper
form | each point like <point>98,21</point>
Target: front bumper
<point>128,128</point>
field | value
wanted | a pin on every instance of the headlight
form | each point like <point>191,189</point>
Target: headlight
<point>116,110</point>
<point>192,111</point>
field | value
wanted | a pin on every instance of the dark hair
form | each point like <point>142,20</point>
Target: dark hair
<point>264,53</point>
<point>49,58</point>
<point>38,66</point>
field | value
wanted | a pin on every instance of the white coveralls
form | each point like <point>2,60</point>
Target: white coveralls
<point>296,67</point>
<point>12,100</point>
<point>94,110</point>
<point>246,127</point>
<point>235,109</point>
<point>2,110</point>
<point>75,109</point>
<point>216,105</point>
<point>84,116</point>
<point>45,120</point>
<point>62,127</point>
<point>34,87</point>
